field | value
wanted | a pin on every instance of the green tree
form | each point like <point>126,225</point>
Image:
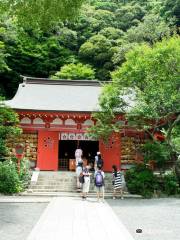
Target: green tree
<point>75,71</point>
<point>98,51</point>
<point>3,64</point>
<point>8,127</point>
<point>37,49</point>
<point>170,10</point>
<point>152,29</point>
<point>152,73</point>
<point>129,15</point>
<point>42,13</point>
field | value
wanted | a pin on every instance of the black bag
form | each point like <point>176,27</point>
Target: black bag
<point>100,163</point>
<point>80,164</point>
<point>81,178</point>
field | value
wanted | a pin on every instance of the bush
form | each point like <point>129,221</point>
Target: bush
<point>25,173</point>
<point>170,184</point>
<point>9,179</point>
<point>140,180</point>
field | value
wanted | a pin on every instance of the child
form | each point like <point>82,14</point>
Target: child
<point>99,183</point>
<point>117,182</point>
<point>86,183</point>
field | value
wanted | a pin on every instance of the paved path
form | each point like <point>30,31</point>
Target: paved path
<point>74,219</point>
<point>17,219</point>
<point>159,219</point>
<point>24,199</point>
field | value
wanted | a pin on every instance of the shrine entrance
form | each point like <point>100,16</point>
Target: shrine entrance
<point>67,150</point>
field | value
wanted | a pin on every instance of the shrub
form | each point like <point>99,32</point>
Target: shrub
<point>140,180</point>
<point>9,179</point>
<point>25,173</point>
<point>170,184</point>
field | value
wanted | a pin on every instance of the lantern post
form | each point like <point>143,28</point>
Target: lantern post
<point>19,149</point>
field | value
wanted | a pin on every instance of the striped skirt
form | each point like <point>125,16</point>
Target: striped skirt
<point>118,183</point>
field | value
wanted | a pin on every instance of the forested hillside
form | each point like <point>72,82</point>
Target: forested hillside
<point>94,44</point>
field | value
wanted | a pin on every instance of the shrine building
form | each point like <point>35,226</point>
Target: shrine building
<point>55,115</point>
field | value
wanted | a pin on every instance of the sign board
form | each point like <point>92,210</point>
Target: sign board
<point>76,136</point>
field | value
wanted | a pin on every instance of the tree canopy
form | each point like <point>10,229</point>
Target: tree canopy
<point>75,71</point>
<point>37,38</point>
<point>42,13</point>
<point>152,73</point>
<point>8,127</point>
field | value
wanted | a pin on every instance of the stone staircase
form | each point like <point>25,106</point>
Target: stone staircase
<point>62,181</point>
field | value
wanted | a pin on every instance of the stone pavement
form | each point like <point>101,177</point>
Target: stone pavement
<point>24,199</point>
<point>73,219</point>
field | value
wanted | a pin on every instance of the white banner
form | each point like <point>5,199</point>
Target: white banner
<point>75,136</point>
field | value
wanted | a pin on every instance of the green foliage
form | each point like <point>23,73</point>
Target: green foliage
<point>151,29</point>
<point>67,37</point>
<point>170,10</point>
<point>38,57</point>
<point>75,71</point>
<point>108,102</point>
<point>153,72</point>
<point>140,180</point>
<point>42,13</point>
<point>9,179</point>
<point>170,184</point>
<point>8,127</point>
<point>25,173</point>
<point>177,169</point>
<point>175,138</point>
<point>129,15</point>
<point>35,40</point>
<point>157,151</point>
<point>3,65</point>
<point>96,49</point>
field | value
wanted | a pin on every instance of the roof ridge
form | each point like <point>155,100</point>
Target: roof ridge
<point>48,81</point>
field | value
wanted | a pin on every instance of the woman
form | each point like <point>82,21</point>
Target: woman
<point>117,182</point>
<point>79,166</point>
<point>86,183</point>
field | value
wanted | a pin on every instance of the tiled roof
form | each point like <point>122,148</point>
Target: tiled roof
<point>57,95</point>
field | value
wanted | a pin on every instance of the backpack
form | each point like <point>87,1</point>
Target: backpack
<point>99,179</point>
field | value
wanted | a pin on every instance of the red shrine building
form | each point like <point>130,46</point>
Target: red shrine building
<point>55,115</point>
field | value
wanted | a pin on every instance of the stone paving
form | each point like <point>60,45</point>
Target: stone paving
<point>24,199</point>
<point>18,218</point>
<point>74,219</point>
<point>159,219</point>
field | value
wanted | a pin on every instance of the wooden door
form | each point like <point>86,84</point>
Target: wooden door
<point>111,152</point>
<point>48,150</point>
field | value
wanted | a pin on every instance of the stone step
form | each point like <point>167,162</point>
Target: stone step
<point>56,182</point>
<point>74,194</point>
<point>61,190</point>
<point>63,186</point>
<point>63,182</point>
